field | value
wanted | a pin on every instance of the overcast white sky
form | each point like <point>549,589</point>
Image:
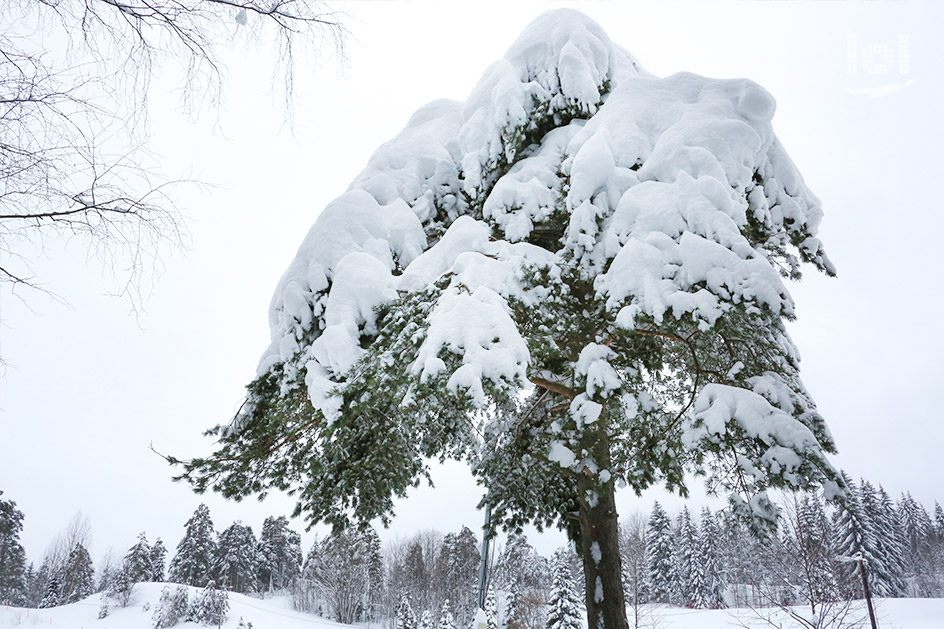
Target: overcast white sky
<point>859,89</point>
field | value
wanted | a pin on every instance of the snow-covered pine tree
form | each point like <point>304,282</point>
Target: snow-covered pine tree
<point>520,564</point>
<point>938,520</point>
<point>660,549</point>
<point>491,609</point>
<point>210,607</point>
<point>514,609</point>
<point>457,566</point>
<point>854,535</point>
<point>426,620</point>
<point>686,541</point>
<point>37,586</point>
<point>707,572</point>
<point>13,588</point>
<point>372,551</point>
<point>158,560</point>
<point>280,554</point>
<point>418,567</point>
<point>121,588</point>
<point>78,575</point>
<point>172,607</point>
<point>52,596</point>
<point>405,618</point>
<point>137,563</point>
<point>446,620</point>
<point>595,253</point>
<point>193,561</point>
<point>236,559</point>
<point>563,607</point>
<point>916,529</point>
<point>879,510</point>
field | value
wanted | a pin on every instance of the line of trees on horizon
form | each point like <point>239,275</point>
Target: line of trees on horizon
<point>711,560</point>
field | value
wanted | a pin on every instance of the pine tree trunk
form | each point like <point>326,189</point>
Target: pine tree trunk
<point>599,540</point>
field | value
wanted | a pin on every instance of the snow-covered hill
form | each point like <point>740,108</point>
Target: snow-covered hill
<point>277,613</point>
<point>263,614</point>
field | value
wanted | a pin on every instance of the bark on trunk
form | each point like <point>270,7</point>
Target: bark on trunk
<point>599,549</point>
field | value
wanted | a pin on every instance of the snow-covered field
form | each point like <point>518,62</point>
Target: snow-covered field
<point>263,614</point>
<point>278,613</point>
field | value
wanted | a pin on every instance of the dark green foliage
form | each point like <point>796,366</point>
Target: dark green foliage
<point>13,586</point>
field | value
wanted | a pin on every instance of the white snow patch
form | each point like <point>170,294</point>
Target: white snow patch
<point>561,454</point>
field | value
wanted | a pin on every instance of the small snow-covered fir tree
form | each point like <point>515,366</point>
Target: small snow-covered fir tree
<point>563,607</point>
<point>491,609</point>
<point>572,281</point>
<point>104,609</point>
<point>855,536</point>
<point>686,541</point>
<point>158,560</point>
<point>52,596</point>
<point>173,606</point>
<point>426,620</point>
<point>916,529</point>
<point>879,511</point>
<point>939,520</point>
<point>446,620</point>
<point>660,549</point>
<point>78,575</point>
<point>707,586</point>
<point>193,561</point>
<point>137,563</point>
<point>210,606</point>
<point>405,618</point>
<point>514,613</point>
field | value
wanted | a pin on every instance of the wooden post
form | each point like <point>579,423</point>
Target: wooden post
<point>868,592</point>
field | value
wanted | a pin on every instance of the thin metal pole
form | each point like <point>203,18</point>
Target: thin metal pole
<point>484,565</point>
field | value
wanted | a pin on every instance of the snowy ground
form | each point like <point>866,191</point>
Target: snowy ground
<point>277,613</point>
<point>263,614</point>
